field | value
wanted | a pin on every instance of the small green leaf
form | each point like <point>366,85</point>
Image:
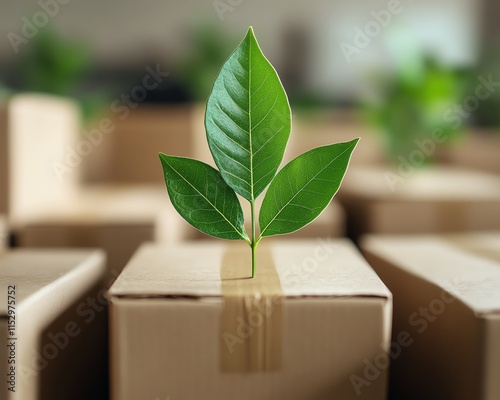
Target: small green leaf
<point>203,198</point>
<point>248,120</point>
<point>303,188</point>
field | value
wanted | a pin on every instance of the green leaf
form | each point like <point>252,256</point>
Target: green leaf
<point>248,120</point>
<point>303,188</point>
<point>203,198</point>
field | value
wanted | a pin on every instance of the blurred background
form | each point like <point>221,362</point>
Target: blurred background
<point>92,91</point>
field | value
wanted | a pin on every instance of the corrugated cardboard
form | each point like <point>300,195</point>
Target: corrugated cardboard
<point>41,132</point>
<point>169,313</point>
<point>447,297</point>
<point>431,200</point>
<point>60,350</point>
<point>115,218</point>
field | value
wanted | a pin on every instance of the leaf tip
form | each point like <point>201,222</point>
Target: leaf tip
<point>251,34</point>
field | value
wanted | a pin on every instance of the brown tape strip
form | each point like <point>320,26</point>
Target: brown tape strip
<point>451,216</point>
<point>252,313</point>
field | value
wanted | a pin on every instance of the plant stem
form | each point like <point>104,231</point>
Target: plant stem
<point>253,243</point>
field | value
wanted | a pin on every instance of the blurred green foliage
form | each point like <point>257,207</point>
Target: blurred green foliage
<point>209,48</point>
<point>488,112</point>
<point>412,103</point>
<point>53,65</point>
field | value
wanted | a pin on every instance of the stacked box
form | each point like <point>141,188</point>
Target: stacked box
<point>53,325</point>
<point>187,323</point>
<point>115,218</point>
<point>4,234</point>
<point>128,150</point>
<point>480,149</point>
<point>446,329</point>
<point>327,127</point>
<point>434,199</point>
<point>38,138</point>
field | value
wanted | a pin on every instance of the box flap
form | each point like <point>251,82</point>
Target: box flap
<point>435,184</point>
<point>106,204</point>
<point>465,265</point>
<point>326,268</point>
<point>35,272</point>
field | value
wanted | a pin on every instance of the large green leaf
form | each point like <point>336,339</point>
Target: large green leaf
<point>203,198</point>
<point>303,188</point>
<point>248,120</point>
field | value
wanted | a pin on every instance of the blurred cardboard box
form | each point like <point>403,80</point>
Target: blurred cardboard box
<point>187,323</point>
<point>53,325</point>
<point>128,154</point>
<point>447,304</point>
<point>325,127</point>
<point>480,149</point>
<point>428,200</point>
<point>38,134</point>
<point>116,218</point>
<point>4,234</point>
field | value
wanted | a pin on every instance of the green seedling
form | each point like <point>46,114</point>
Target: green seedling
<point>248,122</point>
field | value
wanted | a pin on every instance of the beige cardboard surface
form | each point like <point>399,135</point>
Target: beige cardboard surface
<point>42,130</point>
<point>50,291</point>
<point>438,199</point>
<point>446,295</point>
<point>167,319</point>
<point>305,267</point>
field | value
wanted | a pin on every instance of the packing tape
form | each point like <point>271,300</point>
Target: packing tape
<point>252,313</point>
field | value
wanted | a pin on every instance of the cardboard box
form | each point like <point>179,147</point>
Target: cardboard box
<point>37,134</point>
<point>429,200</point>
<point>4,234</point>
<point>479,149</point>
<point>129,154</point>
<point>115,218</point>
<point>327,127</point>
<point>55,339</point>
<point>186,322</point>
<point>447,304</point>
